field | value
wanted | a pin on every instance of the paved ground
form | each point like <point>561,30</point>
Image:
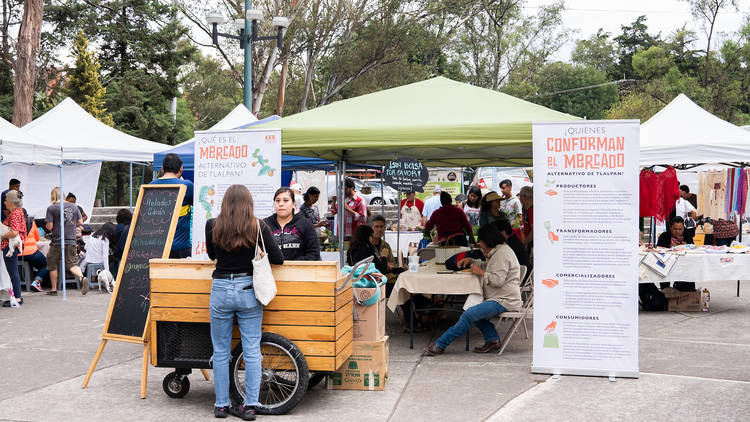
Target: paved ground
<point>694,367</point>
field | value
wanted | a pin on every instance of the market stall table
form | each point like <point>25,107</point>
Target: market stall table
<point>703,267</point>
<point>428,281</point>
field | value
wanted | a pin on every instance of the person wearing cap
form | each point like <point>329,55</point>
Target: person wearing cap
<point>16,222</point>
<point>13,184</point>
<point>298,199</point>
<point>451,223</point>
<point>432,204</point>
<point>490,209</point>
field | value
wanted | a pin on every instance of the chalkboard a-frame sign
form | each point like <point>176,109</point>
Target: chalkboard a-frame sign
<point>151,233</point>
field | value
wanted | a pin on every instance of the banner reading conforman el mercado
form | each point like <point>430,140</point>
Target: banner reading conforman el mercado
<point>586,248</point>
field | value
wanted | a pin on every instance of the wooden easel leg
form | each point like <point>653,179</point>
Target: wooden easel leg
<point>93,364</point>
<point>205,374</point>
<point>144,373</point>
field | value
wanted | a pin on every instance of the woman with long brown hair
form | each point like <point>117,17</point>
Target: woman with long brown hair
<point>231,239</point>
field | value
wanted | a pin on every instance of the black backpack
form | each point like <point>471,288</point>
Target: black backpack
<point>652,299</point>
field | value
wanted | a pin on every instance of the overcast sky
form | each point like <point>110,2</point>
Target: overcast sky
<point>662,16</point>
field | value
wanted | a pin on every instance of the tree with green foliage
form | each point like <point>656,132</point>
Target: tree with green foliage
<point>83,84</point>
<point>210,90</point>
<point>598,52</point>
<point>635,105</point>
<point>633,37</point>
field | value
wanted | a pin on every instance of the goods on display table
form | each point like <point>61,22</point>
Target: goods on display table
<point>694,263</point>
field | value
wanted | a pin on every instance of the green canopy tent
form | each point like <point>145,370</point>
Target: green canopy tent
<point>438,121</point>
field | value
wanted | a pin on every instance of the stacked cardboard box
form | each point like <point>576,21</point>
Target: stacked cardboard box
<point>369,321</point>
<point>686,302</point>
<point>366,368</point>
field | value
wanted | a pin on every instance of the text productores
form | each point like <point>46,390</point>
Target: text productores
<point>587,152</point>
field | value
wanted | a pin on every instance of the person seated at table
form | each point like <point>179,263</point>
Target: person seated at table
<point>490,209</point>
<point>309,209</point>
<point>362,247</point>
<point>675,235</point>
<point>293,233</point>
<point>506,230</point>
<point>382,248</point>
<point>97,246</point>
<point>452,225</point>
<point>33,256</point>
<point>500,278</point>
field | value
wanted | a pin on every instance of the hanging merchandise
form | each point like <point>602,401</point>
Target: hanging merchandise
<point>723,193</point>
<point>658,193</point>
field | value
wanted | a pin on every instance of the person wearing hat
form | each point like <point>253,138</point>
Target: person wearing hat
<point>17,224</point>
<point>431,205</point>
<point>490,209</point>
<point>298,199</point>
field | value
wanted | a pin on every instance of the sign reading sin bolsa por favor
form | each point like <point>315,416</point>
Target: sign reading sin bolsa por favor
<point>586,228</point>
<point>224,158</point>
<point>406,175</point>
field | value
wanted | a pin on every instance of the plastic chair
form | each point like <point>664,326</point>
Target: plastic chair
<point>24,270</point>
<point>61,278</point>
<point>91,272</point>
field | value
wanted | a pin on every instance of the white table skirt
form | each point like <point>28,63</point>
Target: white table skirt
<point>704,267</point>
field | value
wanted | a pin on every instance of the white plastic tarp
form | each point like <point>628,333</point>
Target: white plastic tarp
<point>684,133</point>
<point>18,146</point>
<point>37,181</point>
<point>84,138</point>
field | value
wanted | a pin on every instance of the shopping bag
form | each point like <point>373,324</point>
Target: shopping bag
<point>264,284</point>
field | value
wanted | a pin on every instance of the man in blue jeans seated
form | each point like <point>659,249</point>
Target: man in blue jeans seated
<point>500,287</point>
<point>172,167</point>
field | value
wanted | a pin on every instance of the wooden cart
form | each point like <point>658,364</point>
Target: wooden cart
<point>306,328</point>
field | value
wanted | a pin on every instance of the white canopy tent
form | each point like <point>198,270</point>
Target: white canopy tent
<point>18,146</point>
<point>239,116</point>
<point>84,138</point>
<point>684,133</point>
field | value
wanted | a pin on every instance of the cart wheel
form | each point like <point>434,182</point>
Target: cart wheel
<point>315,379</point>
<point>175,385</point>
<point>284,375</point>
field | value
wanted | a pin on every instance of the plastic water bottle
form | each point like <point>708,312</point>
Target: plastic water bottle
<point>705,299</point>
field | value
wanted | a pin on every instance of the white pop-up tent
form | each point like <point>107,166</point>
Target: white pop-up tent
<point>239,116</point>
<point>18,146</point>
<point>684,133</point>
<point>84,138</point>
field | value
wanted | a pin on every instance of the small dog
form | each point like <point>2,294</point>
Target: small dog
<point>104,276</point>
<point>13,242</point>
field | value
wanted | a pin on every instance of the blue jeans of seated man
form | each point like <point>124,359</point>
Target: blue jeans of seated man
<point>230,297</point>
<point>478,315</point>
<point>38,261</point>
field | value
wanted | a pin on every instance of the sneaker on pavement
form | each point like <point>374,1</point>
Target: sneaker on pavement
<point>246,413</point>
<point>84,286</point>
<point>36,285</point>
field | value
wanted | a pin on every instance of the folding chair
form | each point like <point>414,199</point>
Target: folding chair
<point>518,317</point>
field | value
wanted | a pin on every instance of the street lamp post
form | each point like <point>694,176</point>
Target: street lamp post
<point>248,28</point>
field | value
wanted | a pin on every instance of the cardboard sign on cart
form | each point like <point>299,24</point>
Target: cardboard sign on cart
<point>150,236</point>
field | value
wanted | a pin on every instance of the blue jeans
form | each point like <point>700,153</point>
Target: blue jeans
<point>229,298</point>
<point>38,261</point>
<point>11,263</point>
<point>478,315</point>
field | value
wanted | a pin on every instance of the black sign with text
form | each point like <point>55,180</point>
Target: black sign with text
<point>406,175</point>
<point>150,237</point>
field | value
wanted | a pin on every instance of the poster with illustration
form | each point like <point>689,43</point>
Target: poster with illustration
<point>586,229</point>
<point>224,158</point>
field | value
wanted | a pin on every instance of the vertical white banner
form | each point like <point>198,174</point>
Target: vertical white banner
<point>224,158</point>
<point>586,248</point>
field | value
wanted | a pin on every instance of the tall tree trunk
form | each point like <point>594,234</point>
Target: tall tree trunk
<point>309,74</point>
<point>282,87</point>
<point>29,36</point>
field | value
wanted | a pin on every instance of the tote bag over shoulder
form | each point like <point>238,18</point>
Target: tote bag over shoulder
<point>263,282</point>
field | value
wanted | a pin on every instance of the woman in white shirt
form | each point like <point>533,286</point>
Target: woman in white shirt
<point>97,246</point>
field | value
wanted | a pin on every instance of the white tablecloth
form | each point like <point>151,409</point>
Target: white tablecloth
<point>428,281</point>
<point>704,267</point>
<point>330,256</point>
<point>43,246</point>
<point>405,238</point>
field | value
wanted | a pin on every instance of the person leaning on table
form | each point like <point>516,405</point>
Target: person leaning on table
<point>676,236</point>
<point>231,241</point>
<point>500,277</point>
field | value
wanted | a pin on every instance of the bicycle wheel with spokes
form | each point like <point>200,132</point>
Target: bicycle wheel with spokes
<point>284,375</point>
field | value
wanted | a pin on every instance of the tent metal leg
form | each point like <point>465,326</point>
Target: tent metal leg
<point>398,225</point>
<point>130,187</point>
<point>341,213</point>
<point>382,192</point>
<point>61,272</point>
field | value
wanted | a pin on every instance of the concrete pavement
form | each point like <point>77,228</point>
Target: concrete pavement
<point>694,367</point>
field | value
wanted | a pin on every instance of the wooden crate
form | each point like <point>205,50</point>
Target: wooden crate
<point>313,306</point>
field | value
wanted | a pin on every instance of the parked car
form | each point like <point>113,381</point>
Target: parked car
<point>489,178</point>
<point>368,189</point>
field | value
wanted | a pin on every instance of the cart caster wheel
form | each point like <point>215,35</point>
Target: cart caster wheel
<point>284,375</point>
<point>315,379</point>
<point>176,386</point>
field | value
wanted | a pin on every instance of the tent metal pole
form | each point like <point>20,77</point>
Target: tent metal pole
<point>398,224</point>
<point>61,273</point>
<point>382,192</point>
<point>130,187</point>
<point>341,213</point>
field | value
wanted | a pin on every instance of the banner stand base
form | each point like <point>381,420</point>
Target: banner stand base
<point>611,374</point>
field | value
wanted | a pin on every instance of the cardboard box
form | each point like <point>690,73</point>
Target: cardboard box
<point>366,368</point>
<point>686,302</point>
<point>369,321</point>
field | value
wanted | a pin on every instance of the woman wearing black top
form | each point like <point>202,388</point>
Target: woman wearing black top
<point>231,240</point>
<point>294,233</point>
<point>361,247</point>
